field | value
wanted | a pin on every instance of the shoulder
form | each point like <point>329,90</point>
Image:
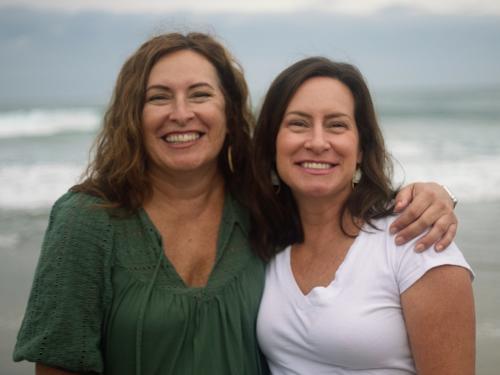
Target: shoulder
<point>407,264</point>
<point>79,228</point>
<point>74,208</point>
<point>79,201</point>
<point>377,234</point>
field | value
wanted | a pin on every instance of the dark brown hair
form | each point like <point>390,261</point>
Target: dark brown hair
<point>118,171</point>
<point>276,220</point>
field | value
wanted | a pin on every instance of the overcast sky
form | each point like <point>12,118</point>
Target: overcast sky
<point>52,54</point>
<point>265,6</point>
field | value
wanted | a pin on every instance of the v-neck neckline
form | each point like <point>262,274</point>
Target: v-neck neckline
<point>318,293</point>
<point>223,235</point>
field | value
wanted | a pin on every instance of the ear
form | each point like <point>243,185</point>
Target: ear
<point>360,157</point>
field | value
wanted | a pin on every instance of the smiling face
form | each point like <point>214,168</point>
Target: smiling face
<point>317,146</point>
<point>183,118</point>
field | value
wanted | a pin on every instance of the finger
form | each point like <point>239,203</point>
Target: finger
<point>410,214</point>
<point>448,237</point>
<point>431,217</point>
<point>411,231</point>
<point>425,243</point>
<point>437,232</point>
<point>403,198</point>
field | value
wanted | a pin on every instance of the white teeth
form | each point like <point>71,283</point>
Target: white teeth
<point>182,137</point>
<point>315,165</point>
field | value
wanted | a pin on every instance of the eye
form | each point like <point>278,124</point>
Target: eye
<point>157,98</point>
<point>336,125</point>
<point>200,95</point>
<point>297,123</point>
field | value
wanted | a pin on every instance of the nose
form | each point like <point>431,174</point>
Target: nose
<point>318,141</point>
<point>181,112</point>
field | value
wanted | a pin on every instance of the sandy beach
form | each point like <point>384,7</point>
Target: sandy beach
<point>479,239</point>
<point>21,233</point>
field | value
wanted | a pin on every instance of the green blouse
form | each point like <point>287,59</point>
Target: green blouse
<point>105,299</point>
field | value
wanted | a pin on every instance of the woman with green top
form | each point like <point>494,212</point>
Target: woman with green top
<point>146,266</point>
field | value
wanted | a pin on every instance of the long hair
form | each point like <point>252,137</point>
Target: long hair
<point>118,171</point>
<point>276,219</point>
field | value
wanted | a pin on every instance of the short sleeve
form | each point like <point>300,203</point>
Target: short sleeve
<point>64,318</point>
<point>411,266</point>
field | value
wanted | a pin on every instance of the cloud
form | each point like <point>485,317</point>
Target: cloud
<point>50,56</point>
<point>263,6</point>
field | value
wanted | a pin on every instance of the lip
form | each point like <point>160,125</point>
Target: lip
<point>316,167</point>
<point>182,139</point>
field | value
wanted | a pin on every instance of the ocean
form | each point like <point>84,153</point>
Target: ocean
<point>448,136</point>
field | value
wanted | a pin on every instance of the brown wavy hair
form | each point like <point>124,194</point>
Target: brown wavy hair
<point>276,219</point>
<point>118,171</point>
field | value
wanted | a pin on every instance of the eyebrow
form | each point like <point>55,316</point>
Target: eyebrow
<point>191,87</point>
<point>328,116</point>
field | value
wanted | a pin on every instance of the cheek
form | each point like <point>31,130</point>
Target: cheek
<point>279,167</point>
<point>148,122</point>
<point>219,114</point>
<point>279,151</point>
<point>216,120</point>
<point>349,146</point>
<point>223,126</point>
<point>282,158</point>
<point>148,135</point>
<point>220,134</point>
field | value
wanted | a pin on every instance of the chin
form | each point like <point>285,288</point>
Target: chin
<point>323,192</point>
<point>314,193</point>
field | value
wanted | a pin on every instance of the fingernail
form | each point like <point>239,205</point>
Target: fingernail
<point>439,247</point>
<point>393,230</point>
<point>419,248</point>
<point>400,240</point>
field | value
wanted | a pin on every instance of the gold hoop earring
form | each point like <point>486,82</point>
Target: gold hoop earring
<point>230,158</point>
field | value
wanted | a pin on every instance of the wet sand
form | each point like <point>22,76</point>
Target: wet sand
<point>479,239</point>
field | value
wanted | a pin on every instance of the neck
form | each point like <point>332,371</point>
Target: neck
<point>189,193</point>
<point>322,222</point>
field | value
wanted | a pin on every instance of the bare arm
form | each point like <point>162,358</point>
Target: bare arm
<point>439,317</point>
<point>424,206</point>
<point>45,370</point>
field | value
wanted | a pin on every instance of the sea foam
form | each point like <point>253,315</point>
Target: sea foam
<point>39,185</point>
<point>472,180</point>
<point>35,186</point>
<point>43,122</point>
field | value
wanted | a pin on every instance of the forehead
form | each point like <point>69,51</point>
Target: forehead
<point>183,66</point>
<point>322,93</point>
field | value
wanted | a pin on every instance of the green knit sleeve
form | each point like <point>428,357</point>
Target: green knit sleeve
<point>64,319</point>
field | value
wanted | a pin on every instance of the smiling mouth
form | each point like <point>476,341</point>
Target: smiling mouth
<point>178,138</point>
<point>316,165</point>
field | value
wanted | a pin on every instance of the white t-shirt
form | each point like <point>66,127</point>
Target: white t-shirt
<point>354,325</point>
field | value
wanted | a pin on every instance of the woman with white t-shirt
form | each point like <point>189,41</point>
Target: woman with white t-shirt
<point>342,298</point>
